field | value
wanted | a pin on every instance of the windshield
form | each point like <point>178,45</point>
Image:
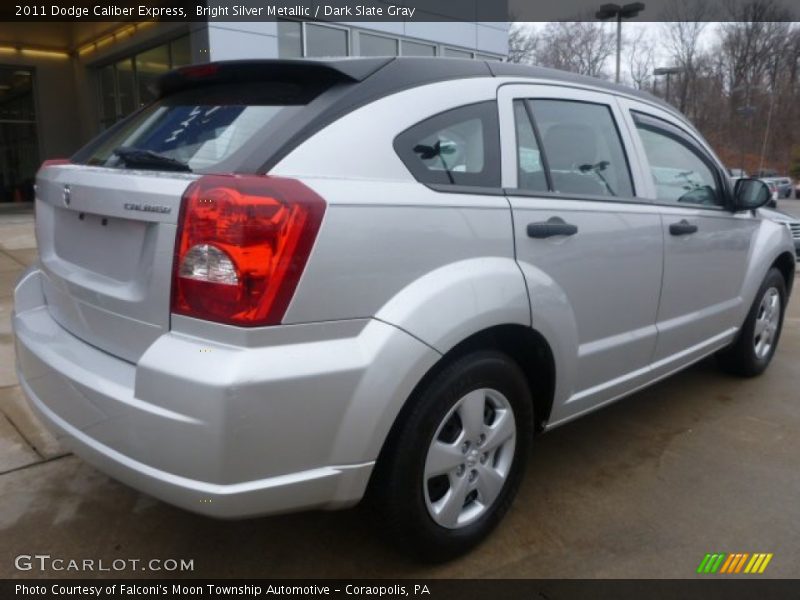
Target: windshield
<point>198,128</point>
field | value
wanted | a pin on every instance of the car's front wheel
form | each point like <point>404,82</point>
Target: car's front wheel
<point>755,346</point>
<point>456,460</point>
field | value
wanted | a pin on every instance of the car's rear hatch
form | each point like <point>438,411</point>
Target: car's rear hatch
<point>106,221</point>
<point>106,239</point>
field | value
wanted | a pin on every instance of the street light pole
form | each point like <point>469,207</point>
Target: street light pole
<point>610,11</point>
<point>668,72</point>
<point>619,44</point>
<point>747,113</point>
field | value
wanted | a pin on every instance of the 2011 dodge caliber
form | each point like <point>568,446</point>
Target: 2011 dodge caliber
<point>287,284</point>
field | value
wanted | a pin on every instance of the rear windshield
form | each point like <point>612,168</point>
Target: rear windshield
<point>200,127</point>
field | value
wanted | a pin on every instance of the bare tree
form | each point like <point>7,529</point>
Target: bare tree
<point>754,45</point>
<point>683,28</point>
<point>521,44</point>
<point>749,41</point>
<point>641,60</point>
<point>577,46</point>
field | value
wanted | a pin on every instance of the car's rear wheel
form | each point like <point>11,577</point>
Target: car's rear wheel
<point>755,346</point>
<point>456,460</point>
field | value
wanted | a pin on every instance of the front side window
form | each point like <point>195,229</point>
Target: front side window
<point>680,171</point>
<point>582,148</point>
<point>457,147</point>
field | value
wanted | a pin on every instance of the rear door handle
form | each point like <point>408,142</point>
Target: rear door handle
<point>554,226</point>
<point>682,227</point>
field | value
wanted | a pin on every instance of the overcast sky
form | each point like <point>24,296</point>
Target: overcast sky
<point>631,29</point>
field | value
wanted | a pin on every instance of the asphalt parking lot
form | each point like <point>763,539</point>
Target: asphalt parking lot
<point>701,462</point>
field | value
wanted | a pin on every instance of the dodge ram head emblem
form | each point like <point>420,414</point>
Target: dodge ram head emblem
<point>67,195</point>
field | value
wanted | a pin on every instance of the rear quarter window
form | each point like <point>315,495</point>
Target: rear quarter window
<point>459,147</point>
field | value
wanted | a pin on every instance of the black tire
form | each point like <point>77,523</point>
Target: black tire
<point>399,488</point>
<point>741,357</point>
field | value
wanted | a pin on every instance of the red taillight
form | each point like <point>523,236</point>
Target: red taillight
<point>242,245</point>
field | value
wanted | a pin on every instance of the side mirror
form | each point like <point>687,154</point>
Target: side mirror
<point>750,194</point>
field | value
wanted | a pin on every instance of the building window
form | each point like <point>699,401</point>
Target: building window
<point>290,39</point>
<point>376,45</point>
<point>19,146</point>
<point>453,53</point>
<point>180,52</point>
<point>297,39</point>
<point>417,49</point>
<point>125,85</point>
<point>325,41</point>
<point>150,65</point>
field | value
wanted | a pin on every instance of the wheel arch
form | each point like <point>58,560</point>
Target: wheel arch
<point>527,347</point>
<point>786,264</point>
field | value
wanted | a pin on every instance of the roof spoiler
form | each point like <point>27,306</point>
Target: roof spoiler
<point>246,71</point>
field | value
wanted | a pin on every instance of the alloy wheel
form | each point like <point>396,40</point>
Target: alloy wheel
<point>469,458</point>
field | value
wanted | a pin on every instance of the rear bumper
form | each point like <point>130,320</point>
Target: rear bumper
<point>220,430</point>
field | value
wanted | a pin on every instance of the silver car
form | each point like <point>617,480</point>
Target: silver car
<point>287,284</point>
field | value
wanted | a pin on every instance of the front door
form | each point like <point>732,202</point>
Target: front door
<point>705,244</point>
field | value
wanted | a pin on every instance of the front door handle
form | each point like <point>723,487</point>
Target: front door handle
<point>682,227</point>
<point>554,226</point>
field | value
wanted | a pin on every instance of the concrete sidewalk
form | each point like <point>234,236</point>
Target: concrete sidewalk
<point>699,463</point>
<point>23,441</point>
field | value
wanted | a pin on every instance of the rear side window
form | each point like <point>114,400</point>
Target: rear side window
<point>530,164</point>
<point>199,127</point>
<point>582,149</point>
<point>457,147</point>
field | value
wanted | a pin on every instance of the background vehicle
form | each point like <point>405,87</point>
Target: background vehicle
<point>784,185</point>
<point>286,283</point>
<point>773,191</point>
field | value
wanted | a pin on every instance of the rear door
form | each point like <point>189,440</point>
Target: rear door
<point>581,223</point>
<point>705,244</point>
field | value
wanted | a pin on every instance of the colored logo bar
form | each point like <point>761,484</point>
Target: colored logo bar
<point>736,562</point>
